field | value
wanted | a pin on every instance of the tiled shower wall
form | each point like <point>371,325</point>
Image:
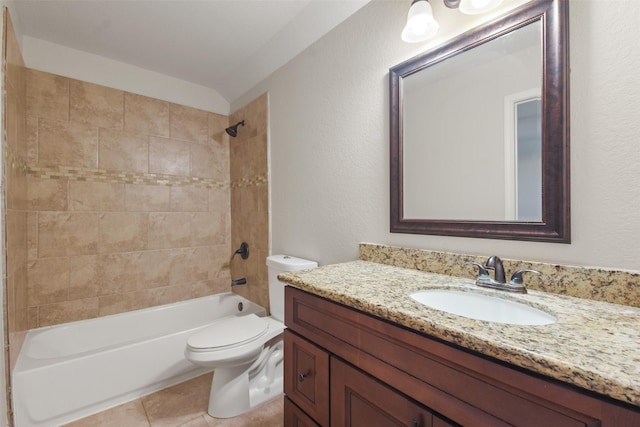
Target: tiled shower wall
<point>250,199</point>
<point>128,201</point>
<point>14,194</point>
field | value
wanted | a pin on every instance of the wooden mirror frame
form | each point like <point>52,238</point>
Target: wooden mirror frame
<point>555,223</point>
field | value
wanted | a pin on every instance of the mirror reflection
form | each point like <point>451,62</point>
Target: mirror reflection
<point>472,133</point>
<point>479,131</point>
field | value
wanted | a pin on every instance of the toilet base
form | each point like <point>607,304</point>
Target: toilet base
<point>236,390</point>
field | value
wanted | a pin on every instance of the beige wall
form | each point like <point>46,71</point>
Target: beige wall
<point>250,198</point>
<point>128,201</point>
<point>329,133</point>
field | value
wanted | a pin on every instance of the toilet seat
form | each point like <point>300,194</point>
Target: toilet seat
<point>204,348</point>
<point>227,333</point>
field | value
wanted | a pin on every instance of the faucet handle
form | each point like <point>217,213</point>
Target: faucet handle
<point>481,269</point>
<point>516,278</point>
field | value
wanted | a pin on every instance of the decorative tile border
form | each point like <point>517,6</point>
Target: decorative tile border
<point>614,286</point>
<point>119,177</point>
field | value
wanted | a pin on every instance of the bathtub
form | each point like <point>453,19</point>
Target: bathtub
<point>69,371</point>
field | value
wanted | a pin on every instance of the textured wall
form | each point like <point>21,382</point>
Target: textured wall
<point>250,198</point>
<point>329,133</point>
<point>128,200</point>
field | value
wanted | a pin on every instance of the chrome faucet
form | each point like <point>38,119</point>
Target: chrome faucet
<point>516,284</point>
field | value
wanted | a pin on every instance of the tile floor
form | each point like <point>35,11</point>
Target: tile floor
<point>183,405</point>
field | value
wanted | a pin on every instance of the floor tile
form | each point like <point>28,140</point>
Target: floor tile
<point>179,404</point>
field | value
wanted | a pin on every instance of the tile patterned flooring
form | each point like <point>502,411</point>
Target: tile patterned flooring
<point>183,405</point>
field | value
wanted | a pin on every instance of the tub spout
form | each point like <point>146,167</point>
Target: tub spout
<point>237,282</point>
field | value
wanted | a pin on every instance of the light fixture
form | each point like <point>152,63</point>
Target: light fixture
<point>420,23</point>
<point>472,7</point>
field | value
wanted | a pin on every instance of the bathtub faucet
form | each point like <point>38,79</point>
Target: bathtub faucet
<point>237,282</point>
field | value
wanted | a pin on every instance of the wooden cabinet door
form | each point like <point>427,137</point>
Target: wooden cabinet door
<point>358,400</point>
<point>294,417</point>
<point>306,376</point>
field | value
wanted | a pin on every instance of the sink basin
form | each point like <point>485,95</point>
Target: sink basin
<point>483,307</point>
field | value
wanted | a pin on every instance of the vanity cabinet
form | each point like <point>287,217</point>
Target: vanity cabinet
<point>344,367</point>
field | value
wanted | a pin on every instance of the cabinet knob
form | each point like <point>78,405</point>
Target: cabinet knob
<point>302,376</point>
<point>415,424</point>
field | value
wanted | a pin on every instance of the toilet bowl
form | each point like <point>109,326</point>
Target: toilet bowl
<point>246,351</point>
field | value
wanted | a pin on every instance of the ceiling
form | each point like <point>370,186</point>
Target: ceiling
<point>225,45</point>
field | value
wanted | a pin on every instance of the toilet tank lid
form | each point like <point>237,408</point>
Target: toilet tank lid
<point>289,263</point>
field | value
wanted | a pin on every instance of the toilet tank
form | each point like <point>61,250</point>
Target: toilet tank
<point>279,264</point>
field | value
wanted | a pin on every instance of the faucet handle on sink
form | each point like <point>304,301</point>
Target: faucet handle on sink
<point>516,278</point>
<point>481,269</point>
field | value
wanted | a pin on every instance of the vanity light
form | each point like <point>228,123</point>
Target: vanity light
<point>420,23</point>
<point>473,7</point>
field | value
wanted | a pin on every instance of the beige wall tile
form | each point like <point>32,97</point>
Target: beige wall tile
<point>168,157</point>
<point>113,273</point>
<point>67,233</point>
<point>133,271</point>
<point>67,144</point>
<point>209,161</point>
<point>84,279</point>
<point>32,236</point>
<point>219,257</point>
<point>21,302</point>
<point>147,198</point>
<point>67,311</point>
<point>96,105</point>
<point>220,201</point>
<point>208,229</point>
<point>12,120</point>
<point>188,124</point>
<point>31,139</point>
<point>189,199</point>
<point>217,124</point>
<point>169,230</point>
<point>120,303</point>
<point>153,268</point>
<point>188,266</point>
<point>146,115</point>
<point>16,187</point>
<point>48,281</point>
<point>123,232</point>
<point>47,194</point>
<point>33,317</point>
<point>16,239</point>
<point>47,95</point>
<point>95,196</point>
<point>123,151</point>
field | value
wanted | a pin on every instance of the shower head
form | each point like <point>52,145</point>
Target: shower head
<point>233,130</point>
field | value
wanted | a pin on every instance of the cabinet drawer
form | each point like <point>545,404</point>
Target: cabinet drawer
<point>306,376</point>
<point>294,417</point>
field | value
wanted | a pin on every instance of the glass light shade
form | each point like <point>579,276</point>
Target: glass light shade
<point>474,7</point>
<point>420,23</point>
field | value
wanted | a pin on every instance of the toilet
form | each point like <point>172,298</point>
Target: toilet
<point>246,351</point>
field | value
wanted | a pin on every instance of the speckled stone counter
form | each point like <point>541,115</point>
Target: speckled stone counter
<point>594,345</point>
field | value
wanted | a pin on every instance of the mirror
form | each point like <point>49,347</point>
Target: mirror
<point>479,131</point>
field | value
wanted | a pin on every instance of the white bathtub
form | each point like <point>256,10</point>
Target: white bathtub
<point>69,371</point>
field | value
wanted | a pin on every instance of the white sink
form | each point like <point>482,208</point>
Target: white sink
<point>483,307</point>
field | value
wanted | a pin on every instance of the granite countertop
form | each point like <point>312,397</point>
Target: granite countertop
<point>593,345</point>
